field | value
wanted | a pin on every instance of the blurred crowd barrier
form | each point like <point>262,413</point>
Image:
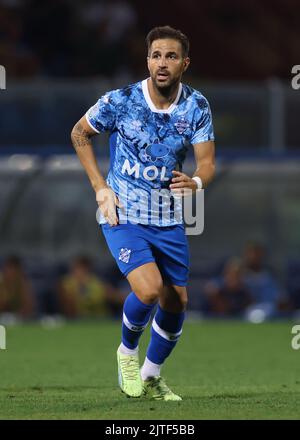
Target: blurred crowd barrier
<point>252,118</point>
<point>48,217</point>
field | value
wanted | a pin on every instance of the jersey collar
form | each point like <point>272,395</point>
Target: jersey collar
<point>150,103</point>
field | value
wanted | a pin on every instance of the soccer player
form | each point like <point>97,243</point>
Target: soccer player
<point>152,124</point>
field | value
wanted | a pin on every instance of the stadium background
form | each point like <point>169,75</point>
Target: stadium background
<point>61,56</point>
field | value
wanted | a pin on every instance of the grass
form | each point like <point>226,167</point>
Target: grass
<point>223,370</point>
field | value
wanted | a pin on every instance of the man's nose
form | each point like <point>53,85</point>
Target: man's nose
<point>162,62</point>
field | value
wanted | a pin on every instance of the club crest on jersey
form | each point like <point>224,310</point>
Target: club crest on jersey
<point>181,125</point>
<point>124,255</point>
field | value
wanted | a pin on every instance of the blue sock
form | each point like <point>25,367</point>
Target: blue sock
<point>165,332</point>
<point>136,316</point>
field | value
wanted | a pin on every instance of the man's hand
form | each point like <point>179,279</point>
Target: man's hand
<point>182,184</point>
<point>108,202</point>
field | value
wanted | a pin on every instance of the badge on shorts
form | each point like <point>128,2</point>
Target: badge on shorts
<point>124,255</point>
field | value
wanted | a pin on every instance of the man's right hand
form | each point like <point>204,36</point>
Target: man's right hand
<point>108,202</point>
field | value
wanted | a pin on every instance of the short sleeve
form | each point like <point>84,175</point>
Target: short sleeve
<point>102,115</point>
<point>203,127</point>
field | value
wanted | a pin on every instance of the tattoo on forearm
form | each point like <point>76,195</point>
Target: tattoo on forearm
<point>80,137</point>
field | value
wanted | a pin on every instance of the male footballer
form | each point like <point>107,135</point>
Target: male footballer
<point>152,123</point>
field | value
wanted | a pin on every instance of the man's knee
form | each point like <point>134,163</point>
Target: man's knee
<point>146,282</point>
<point>183,303</point>
<point>174,299</point>
<point>150,294</point>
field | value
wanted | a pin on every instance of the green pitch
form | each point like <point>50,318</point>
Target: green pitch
<point>223,370</point>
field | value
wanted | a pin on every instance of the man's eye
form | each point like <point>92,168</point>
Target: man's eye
<point>173,56</point>
<point>155,56</point>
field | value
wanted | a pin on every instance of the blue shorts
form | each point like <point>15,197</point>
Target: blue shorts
<point>133,245</point>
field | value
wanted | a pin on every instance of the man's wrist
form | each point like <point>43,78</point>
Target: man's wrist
<point>99,186</point>
<point>198,181</point>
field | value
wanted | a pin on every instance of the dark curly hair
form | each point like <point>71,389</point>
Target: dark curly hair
<point>162,32</point>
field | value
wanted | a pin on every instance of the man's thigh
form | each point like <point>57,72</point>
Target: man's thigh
<point>128,245</point>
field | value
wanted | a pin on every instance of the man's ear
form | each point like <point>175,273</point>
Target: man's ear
<point>186,63</point>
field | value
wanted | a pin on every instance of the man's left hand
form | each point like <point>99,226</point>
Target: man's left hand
<point>182,182</point>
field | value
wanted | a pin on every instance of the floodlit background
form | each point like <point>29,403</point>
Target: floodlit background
<point>60,57</point>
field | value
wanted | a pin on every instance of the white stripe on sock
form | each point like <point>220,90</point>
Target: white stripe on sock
<point>134,328</point>
<point>164,334</point>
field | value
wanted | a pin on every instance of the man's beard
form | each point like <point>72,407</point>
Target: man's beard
<point>166,90</point>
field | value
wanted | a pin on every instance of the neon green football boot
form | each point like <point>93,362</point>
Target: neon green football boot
<point>129,375</point>
<point>155,388</point>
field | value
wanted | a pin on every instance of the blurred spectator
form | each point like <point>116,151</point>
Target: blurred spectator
<point>16,55</point>
<point>106,28</point>
<point>293,283</point>
<point>260,282</point>
<point>82,294</point>
<point>228,296</point>
<point>118,283</point>
<point>62,38</point>
<point>15,289</point>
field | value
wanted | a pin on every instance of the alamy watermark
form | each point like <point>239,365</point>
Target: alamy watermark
<point>296,79</point>
<point>2,78</point>
<point>296,338</point>
<point>159,207</point>
<point>2,338</point>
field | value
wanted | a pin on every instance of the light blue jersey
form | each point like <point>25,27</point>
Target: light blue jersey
<point>146,145</point>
